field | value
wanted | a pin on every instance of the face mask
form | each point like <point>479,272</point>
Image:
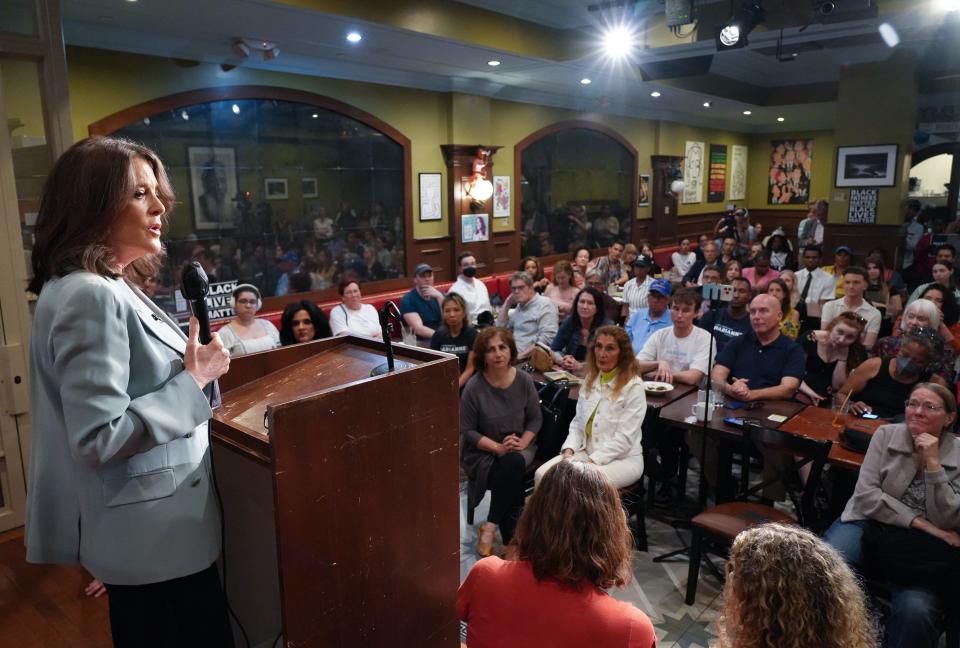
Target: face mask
<point>907,367</point>
<point>470,271</point>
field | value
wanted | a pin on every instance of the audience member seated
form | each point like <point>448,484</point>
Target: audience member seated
<point>680,353</point>
<point>352,316</point>
<point>611,266</point>
<point>880,385</point>
<point>842,257</point>
<point>245,333</point>
<point>694,276</point>
<point>562,290</point>
<point>832,354</point>
<point>531,317</point>
<point>943,276</point>
<point>611,307</point>
<point>755,250</point>
<point>789,277</point>
<point>421,306</point>
<point>606,428</point>
<point>786,587</point>
<point>816,286</point>
<point>908,496</point>
<point>878,292</point>
<point>732,320</point>
<point>854,287</point>
<point>780,251</point>
<point>683,259</point>
<point>576,334</point>
<point>702,241</point>
<point>636,289</point>
<point>647,321</point>
<point>303,321</point>
<point>729,251</point>
<point>760,274</point>
<point>630,254</point>
<point>581,263</point>
<point>473,291</point>
<point>532,267</point>
<point>949,314</point>
<point>710,277</point>
<point>731,270</point>
<point>499,421</point>
<point>655,268</point>
<point>572,544</point>
<point>921,314</point>
<point>456,335</point>
<point>790,322</point>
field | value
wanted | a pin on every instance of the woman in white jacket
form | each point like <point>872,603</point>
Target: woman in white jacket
<point>610,410</point>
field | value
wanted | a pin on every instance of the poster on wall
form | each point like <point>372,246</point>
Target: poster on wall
<point>738,172</point>
<point>866,166</point>
<point>501,196</point>
<point>863,206</point>
<point>431,192</point>
<point>693,172</point>
<point>475,228</point>
<point>791,163</point>
<point>643,191</point>
<point>213,183</point>
<point>717,182</point>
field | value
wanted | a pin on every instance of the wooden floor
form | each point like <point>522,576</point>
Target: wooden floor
<point>43,606</point>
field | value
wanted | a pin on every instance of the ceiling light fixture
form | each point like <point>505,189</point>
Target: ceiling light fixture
<point>585,81</point>
<point>315,115</point>
<point>493,63</point>
<point>354,37</point>
<point>889,35</point>
<point>733,34</point>
<point>184,115</point>
<point>235,108</point>
<point>781,119</point>
<point>747,112</point>
<point>618,42</point>
<point>707,104</point>
<point>948,5</point>
<point>244,47</point>
<point>654,94</point>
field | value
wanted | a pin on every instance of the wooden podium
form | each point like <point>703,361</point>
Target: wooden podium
<point>340,499</point>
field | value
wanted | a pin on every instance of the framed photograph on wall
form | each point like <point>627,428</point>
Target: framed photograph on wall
<point>475,228</point>
<point>643,190</point>
<point>693,173</point>
<point>791,171</point>
<point>275,188</point>
<point>308,188</point>
<point>431,196</point>
<point>867,166</point>
<point>501,196</point>
<point>213,183</point>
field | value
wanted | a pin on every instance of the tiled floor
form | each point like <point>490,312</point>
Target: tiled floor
<point>657,589</point>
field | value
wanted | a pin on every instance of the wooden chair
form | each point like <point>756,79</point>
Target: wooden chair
<point>723,522</point>
<point>632,498</point>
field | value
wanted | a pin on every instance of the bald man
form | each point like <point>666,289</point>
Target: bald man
<point>763,364</point>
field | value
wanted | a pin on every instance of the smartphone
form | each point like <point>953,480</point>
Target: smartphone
<point>869,415</point>
<point>734,404</point>
<point>733,420</point>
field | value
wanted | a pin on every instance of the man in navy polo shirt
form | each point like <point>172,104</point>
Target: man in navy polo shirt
<point>763,364</point>
<point>421,306</point>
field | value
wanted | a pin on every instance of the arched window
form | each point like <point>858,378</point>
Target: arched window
<point>577,188</point>
<point>289,191</point>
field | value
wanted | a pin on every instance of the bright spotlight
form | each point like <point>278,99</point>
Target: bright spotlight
<point>889,35</point>
<point>618,42</point>
<point>235,108</point>
<point>948,5</point>
<point>733,34</point>
<point>354,37</point>
<point>729,35</point>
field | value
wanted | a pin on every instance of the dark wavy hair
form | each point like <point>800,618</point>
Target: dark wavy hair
<point>597,319</point>
<point>321,328</point>
<point>573,528</point>
<point>84,195</point>
<point>483,339</point>
<point>950,309</point>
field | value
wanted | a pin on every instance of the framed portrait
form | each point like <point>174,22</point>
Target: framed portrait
<point>791,169</point>
<point>431,196</point>
<point>213,185</point>
<point>501,196</point>
<point>475,228</point>
<point>693,173</point>
<point>738,172</point>
<point>308,188</point>
<point>275,188</point>
<point>643,190</point>
<point>867,166</point>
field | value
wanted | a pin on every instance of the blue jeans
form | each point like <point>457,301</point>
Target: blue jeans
<point>916,614</point>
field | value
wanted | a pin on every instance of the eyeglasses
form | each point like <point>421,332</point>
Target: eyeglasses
<point>517,288</point>
<point>930,407</point>
<point>247,302</point>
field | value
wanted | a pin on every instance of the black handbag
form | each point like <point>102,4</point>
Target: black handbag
<point>911,558</point>
<point>555,423</point>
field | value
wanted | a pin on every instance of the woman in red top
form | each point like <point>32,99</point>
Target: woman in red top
<point>572,543</point>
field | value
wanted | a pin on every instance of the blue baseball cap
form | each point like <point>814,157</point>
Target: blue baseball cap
<point>662,286</point>
<point>290,255</point>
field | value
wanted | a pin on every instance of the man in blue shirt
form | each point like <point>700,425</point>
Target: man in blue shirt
<point>647,321</point>
<point>421,306</point>
<point>730,321</point>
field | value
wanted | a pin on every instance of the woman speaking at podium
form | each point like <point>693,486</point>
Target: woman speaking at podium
<point>119,475</point>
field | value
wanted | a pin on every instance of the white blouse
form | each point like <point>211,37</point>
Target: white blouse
<point>237,346</point>
<point>365,321</point>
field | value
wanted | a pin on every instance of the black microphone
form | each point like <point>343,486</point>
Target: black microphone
<point>194,286</point>
<point>389,310</point>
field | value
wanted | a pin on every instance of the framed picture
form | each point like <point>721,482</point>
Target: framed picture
<point>738,173</point>
<point>501,196</point>
<point>867,166</point>
<point>431,196</point>
<point>791,168</point>
<point>308,187</point>
<point>275,188</point>
<point>693,173</point>
<point>643,190</point>
<point>213,184</point>
<point>475,228</point>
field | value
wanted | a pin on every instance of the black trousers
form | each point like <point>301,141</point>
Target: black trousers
<point>506,493</point>
<point>181,613</point>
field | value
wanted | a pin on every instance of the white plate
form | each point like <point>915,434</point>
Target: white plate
<point>653,387</point>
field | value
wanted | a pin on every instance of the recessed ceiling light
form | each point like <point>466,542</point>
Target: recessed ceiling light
<point>493,63</point>
<point>654,94</point>
<point>585,81</point>
<point>315,115</point>
<point>235,108</point>
<point>780,119</point>
<point>707,104</point>
<point>747,112</point>
<point>184,115</point>
<point>354,37</point>
<point>889,35</point>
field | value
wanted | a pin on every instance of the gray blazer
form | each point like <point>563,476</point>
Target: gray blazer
<point>888,468</point>
<point>119,477</point>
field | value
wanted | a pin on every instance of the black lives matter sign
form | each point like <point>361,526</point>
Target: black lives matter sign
<point>863,206</point>
<point>218,300</point>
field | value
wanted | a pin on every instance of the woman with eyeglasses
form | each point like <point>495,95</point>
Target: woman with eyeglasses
<point>246,333</point>
<point>882,384</point>
<point>921,314</point>
<point>910,481</point>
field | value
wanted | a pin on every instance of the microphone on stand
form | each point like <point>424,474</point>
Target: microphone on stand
<point>389,310</point>
<point>194,285</point>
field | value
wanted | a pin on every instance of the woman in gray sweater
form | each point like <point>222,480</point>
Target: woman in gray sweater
<point>499,421</point>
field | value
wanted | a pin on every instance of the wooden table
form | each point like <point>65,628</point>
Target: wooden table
<point>680,410</point>
<point>816,423</point>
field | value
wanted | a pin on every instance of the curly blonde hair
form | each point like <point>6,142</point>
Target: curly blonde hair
<point>787,588</point>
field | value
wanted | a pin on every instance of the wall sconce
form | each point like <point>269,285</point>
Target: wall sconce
<point>478,188</point>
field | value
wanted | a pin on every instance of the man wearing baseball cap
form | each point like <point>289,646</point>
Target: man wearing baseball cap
<point>421,306</point>
<point>635,291</point>
<point>842,256</point>
<point>647,321</point>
